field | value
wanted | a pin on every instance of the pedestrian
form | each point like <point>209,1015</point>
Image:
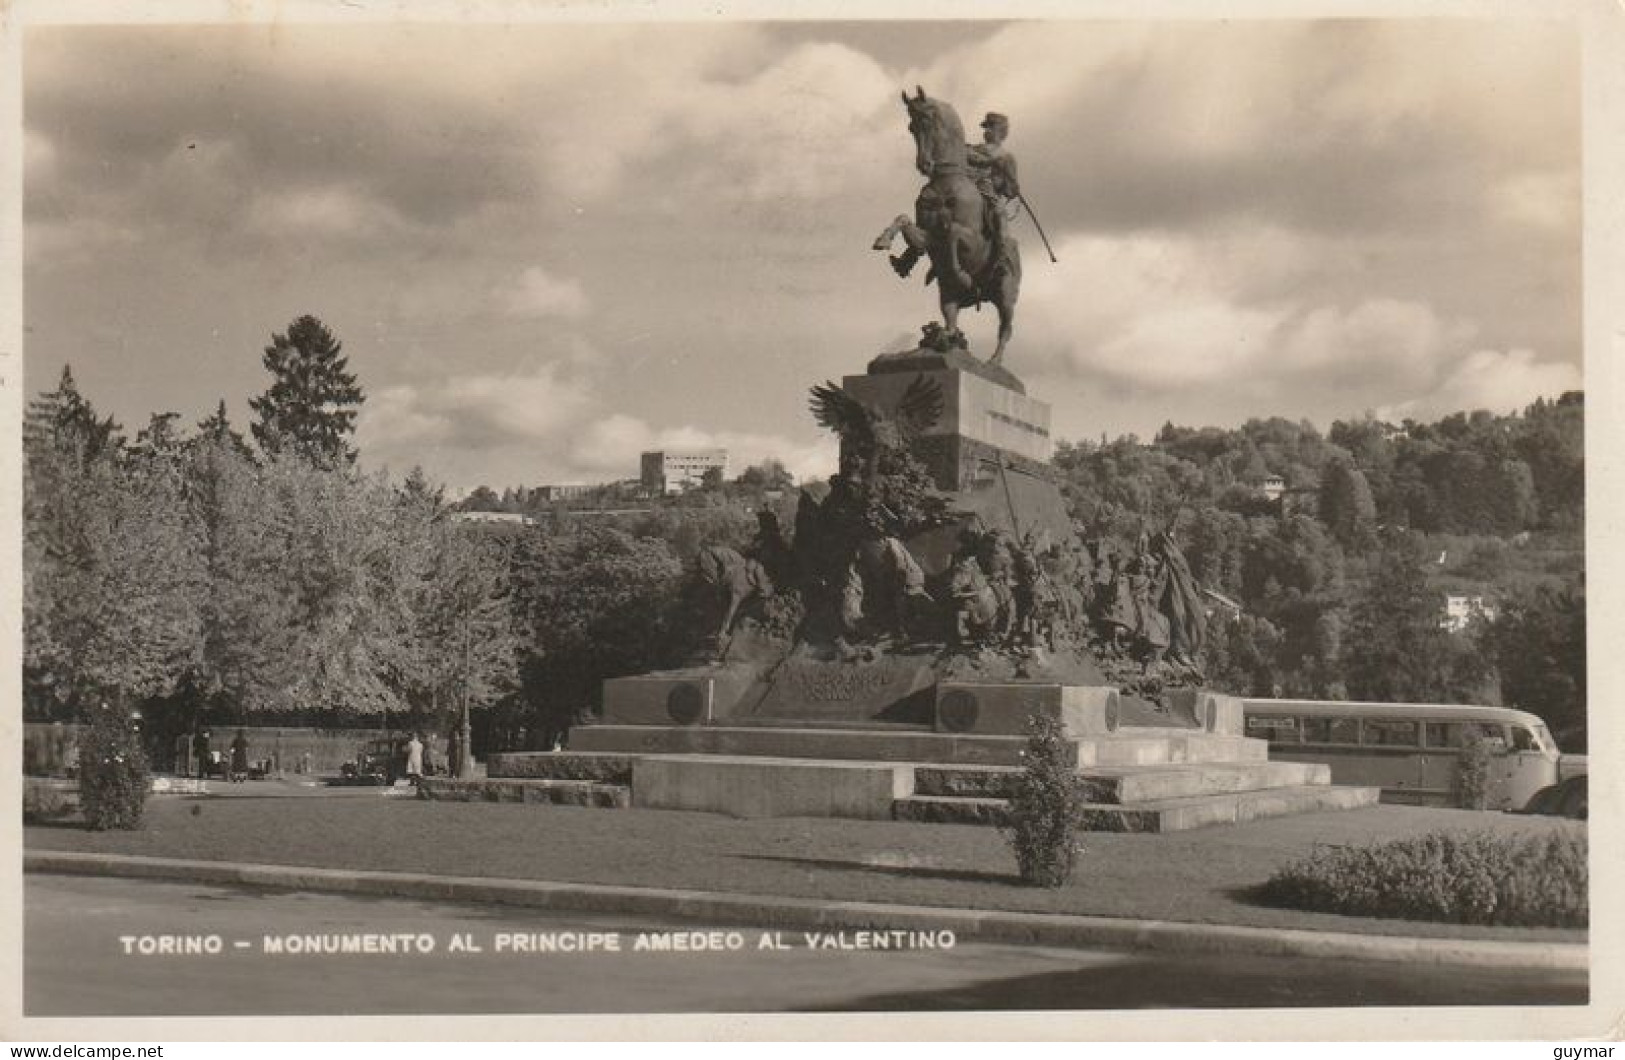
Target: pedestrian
<point>200,747</point>
<point>239,758</point>
<point>414,760</point>
<point>454,753</point>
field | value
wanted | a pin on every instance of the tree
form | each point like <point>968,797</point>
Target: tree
<point>1346,506</point>
<point>463,647</point>
<point>311,406</point>
<point>596,602</point>
<point>64,420</point>
<point>1539,647</point>
<point>1396,648</point>
<point>245,660</point>
<point>112,579</point>
<point>768,475</point>
<point>218,428</point>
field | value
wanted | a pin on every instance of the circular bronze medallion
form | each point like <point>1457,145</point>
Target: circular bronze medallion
<point>957,711</point>
<point>685,704</point>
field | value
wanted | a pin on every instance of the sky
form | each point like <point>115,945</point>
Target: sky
<point>548,247</point>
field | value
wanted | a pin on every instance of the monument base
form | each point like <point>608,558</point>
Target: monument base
<point>1143,768</point>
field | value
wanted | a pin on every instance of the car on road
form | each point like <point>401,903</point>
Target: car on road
<point>1569,798</point>
<point>377,761</point>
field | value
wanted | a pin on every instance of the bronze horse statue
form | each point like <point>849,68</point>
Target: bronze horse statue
<point>735,579</point>
<point>951,224</point>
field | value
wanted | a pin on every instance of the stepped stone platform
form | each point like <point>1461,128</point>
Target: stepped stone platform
<point>1189,768</point>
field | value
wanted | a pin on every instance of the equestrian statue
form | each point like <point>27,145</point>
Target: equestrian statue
<point>961,216</point>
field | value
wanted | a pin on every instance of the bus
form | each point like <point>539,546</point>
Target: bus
<point>1411,750</point>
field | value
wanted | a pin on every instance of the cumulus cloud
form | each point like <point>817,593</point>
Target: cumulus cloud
<point>480,411</point>
<point>547,424</point>
<point>1501,381</point>
<point>1253,217</point>
<point>331,212</point>
<point>1145,310</point>
<point>536,293</point>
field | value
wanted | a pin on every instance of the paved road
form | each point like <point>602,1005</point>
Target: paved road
<point>76,964</point>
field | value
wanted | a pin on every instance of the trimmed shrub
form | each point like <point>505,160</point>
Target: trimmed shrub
<point>112,771</point>
<point>1473,770</point>
<point>44,801</point>
<point>1465,878</point>
<point>1047,808</point>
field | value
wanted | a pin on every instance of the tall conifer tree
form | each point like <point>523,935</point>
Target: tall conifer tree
<point>311,406</point>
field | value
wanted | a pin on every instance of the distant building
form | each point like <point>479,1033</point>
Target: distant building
<point>1220,604</point>
<point>562,493</point>
<point>672,471</point>
<point>512,518</point>
<point>1273,487</point>
<point>1461,610</point>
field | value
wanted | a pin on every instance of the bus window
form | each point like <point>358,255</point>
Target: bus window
<point>1450,733</point>
<point>1388,732</point>
<point>1275,730</point>
<point>1444,733</point>
<point>1331,730</point>
<point>1524,740</point>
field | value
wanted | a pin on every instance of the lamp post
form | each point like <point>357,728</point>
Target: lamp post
<point>465,735</point>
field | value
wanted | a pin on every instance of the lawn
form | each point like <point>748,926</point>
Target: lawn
<point>1199,876</point>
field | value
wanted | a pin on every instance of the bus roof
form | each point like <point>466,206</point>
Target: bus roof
<point>1465,712</point>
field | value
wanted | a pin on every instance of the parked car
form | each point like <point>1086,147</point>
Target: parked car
<point>377,761</point>
<point>1569,798</point>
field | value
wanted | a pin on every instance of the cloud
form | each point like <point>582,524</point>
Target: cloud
<point>799,128</point>
<point>1159,318</point>
<point>328,212</point>
<point>1501,381</point>
<point>537,294</point>
<point>477,412</point>
<point>1253,217</point>
<point>548,424</point>
<point>1145,310</point>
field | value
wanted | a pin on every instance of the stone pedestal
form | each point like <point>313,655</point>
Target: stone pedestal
<point>987,418</point>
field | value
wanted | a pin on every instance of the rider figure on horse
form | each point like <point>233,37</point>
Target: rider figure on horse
<point>993,168</point>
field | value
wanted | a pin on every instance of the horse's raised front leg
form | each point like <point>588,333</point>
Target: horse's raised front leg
<point>884,240</point>
<point>915,238</point>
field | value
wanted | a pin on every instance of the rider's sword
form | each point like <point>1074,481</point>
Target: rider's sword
<point>1038,226</point>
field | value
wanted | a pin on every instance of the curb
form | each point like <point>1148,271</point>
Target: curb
<point>1047,929</point>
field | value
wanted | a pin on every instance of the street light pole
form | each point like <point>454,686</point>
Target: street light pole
<point>465,735</point>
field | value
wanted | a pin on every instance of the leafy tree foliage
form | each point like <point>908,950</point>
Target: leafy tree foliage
<point>1347,506</point>
<point>596,603</point>
<point>112,579</point>
<point>463,644</point>
<point>1397,649</point>
<point>310,408</point>
<point>1539,645</point>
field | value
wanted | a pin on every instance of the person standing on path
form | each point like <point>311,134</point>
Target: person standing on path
<point>239,758</point>
<point>414,760</point>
